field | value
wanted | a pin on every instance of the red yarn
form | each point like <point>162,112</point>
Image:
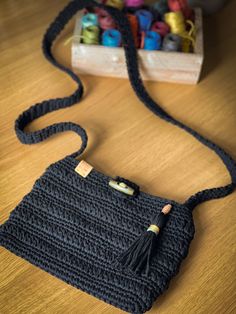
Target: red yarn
<point>180,5</point>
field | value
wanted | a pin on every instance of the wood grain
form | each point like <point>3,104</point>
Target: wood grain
<point>124,139</point>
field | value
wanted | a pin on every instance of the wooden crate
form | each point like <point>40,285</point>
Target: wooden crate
<point>177,67</point>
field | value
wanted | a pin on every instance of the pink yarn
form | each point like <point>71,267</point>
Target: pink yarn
<point>106,21</point>
<point>161,28</point>
<point>134,3</point>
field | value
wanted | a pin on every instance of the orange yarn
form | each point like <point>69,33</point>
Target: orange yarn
<point>134,27</point>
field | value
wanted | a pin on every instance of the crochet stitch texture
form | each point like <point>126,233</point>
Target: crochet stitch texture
<point>75,227</point>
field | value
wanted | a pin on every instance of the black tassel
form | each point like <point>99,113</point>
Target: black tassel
<point>138,256</point>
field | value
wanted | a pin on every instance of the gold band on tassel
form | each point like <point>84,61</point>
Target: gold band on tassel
<point>154,229</point>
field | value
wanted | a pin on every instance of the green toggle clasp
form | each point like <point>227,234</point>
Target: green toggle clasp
<point>121,187</point>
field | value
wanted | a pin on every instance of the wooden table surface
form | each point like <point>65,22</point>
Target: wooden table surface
<point>124,139</point>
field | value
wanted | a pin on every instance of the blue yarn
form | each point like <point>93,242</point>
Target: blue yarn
<point>152,41</point>
<point>145,19</point>
<point>111,38</point>
<point>89,19</point>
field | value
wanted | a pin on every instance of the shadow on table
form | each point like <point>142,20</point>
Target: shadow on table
<point>214,31</point>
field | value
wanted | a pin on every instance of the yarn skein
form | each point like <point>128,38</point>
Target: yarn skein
<point>152,41</point>
<point>90,35</point>
<point>111,38</point>
<point>134,3</point>
<point>172,42</point>
<point>160,27</point>
<point>177,25</point>
<point>106,22</point>
<point>134,27</point>
<point>189,38</point>
<point>89,19</point>
<point>180,5</point>
<point>145,19</point>
<point>118,4</point>
<point>176,22</point>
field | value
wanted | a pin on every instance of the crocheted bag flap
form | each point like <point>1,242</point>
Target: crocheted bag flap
<point>75,228</point>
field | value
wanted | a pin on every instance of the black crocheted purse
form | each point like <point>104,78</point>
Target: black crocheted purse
<point>102,235</point>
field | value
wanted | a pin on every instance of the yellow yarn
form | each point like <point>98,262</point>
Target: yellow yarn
<point>177,25</point>
<point>90,35</point>
<point>176,22</point>
<point>189,38</point>
<point>119,4</point>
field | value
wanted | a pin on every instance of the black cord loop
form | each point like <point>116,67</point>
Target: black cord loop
<point>43,108</point>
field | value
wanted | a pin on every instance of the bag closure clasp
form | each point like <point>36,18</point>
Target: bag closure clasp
<point>121,187</point>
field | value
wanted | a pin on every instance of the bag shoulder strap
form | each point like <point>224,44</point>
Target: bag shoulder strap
<point>44,107</point>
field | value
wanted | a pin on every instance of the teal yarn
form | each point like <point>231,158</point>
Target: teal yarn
<point>152,41</point>
<point>89,19</point>
<point>111,38</point>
